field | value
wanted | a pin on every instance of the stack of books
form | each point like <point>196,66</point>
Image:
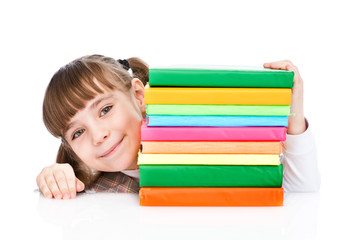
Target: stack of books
<point>213,136</point>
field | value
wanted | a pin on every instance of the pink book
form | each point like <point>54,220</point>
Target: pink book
<point>213,133</point>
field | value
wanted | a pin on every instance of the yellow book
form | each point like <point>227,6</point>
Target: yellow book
<point>208,159</point>
<point>237,96</point>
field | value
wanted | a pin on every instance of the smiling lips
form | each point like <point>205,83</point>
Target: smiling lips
<point>112,149</point>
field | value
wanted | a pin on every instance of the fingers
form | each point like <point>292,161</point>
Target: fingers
<point>43,187</point>
<point>47,184</point>
<point>53,186</point>
<point>59,181</point>
<point>70,191</point>
<point>62,184</point>
<point>79,185</point>
<point>286,65</point>
<point>279,65</point>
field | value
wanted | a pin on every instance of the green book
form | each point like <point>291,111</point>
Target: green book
<point>210,175</point>
<point>221,76</point>
<point>235,110</point>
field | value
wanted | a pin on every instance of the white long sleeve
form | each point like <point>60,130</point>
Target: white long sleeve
<point>300,170</point>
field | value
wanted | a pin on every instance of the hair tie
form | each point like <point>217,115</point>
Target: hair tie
<point>125,63</point>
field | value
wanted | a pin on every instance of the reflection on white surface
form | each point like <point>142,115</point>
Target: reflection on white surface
<point>106,216</point>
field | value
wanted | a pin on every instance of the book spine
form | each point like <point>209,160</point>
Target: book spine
<point>212,147</point>
<point>213,133</point>
<point>210,176</point>
<point>210,196</point>
<point>226,96</point>
<point>208,159</point>
<point>220,78</point>
<point>217,121</point>
<point>243,110</point>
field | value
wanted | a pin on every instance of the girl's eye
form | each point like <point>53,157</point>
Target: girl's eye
<point>105,110</point>
<point>77,134</point>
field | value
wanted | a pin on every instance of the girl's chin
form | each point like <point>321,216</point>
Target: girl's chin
<point>120,168</point>
<point>133,166</point>
<point>121,164</point>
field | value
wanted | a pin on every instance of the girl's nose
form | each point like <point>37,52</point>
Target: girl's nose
<point>99,136</point>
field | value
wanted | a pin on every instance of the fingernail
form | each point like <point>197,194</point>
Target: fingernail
<point>79,186</point>
<point>58,196</point>
<point>72,195</point>
<point>66,196</point>
<point>49,196</point>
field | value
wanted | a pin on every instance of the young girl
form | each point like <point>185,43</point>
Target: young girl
<point>97,107</point>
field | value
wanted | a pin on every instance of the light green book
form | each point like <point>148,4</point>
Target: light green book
<point>249,110</point>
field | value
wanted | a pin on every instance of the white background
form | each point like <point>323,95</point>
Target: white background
<point>38,37</point>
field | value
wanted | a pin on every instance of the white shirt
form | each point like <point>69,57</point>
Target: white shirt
<point>132,173</point>
<point>300,171</point>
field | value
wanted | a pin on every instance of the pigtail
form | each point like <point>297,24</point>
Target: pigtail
<point>139,68</point>
<point>82,172</point>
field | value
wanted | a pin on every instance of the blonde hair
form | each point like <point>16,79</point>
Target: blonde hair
<point>72,86</point>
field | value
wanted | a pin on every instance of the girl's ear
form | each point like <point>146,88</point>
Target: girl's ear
<point>138,89</point>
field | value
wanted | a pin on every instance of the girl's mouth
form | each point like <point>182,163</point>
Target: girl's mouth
<point>113,149</point>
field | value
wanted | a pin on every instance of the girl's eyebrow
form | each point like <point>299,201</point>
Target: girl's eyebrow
<point>92,106</point>
<point>99,100</point>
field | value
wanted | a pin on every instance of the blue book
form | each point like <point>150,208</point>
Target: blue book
<point>216,121</point>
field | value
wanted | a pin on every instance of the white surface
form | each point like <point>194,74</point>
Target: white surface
<point>107,216</point>
<point>38,37</point>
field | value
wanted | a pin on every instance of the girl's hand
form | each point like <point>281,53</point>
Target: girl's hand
<point>296,121</point>
<point>59,181</point>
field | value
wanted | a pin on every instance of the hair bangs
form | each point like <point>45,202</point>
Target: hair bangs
<point>77,83</point>
<point>68,92</point>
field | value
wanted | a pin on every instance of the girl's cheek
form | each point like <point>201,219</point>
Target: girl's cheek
<point>80,149</point>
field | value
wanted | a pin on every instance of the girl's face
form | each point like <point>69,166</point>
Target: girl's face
<point>105,135</point>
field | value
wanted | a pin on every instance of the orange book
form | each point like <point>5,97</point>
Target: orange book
<point>212,147</point>
<point>210,196</point>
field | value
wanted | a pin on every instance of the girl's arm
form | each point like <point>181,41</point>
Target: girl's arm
<point>296,121</point>
<point>300,171</point>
